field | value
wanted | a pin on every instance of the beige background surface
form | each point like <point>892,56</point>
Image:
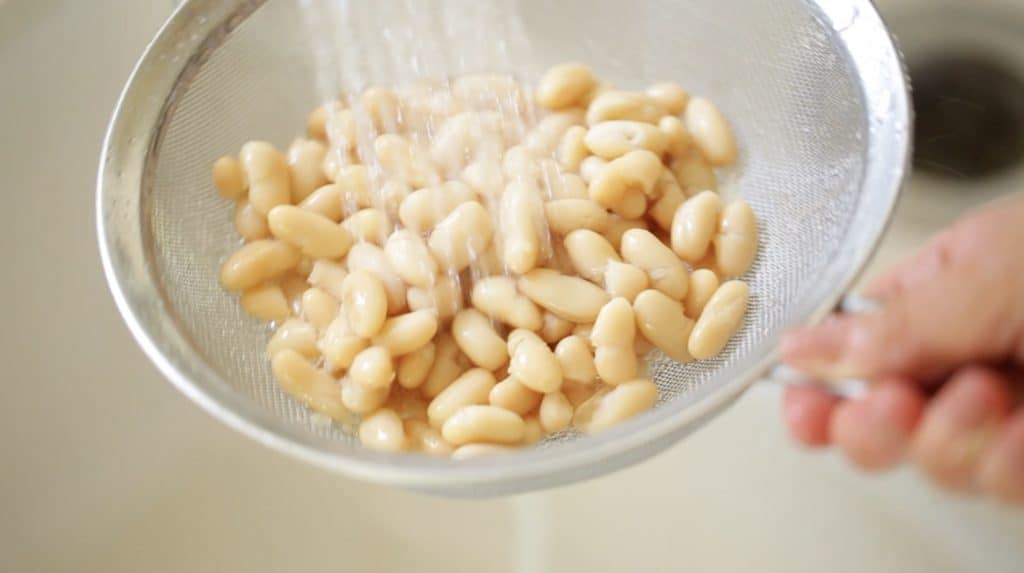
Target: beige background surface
<point>105,467</point>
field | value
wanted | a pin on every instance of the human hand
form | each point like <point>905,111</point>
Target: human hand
<point>943,357</point>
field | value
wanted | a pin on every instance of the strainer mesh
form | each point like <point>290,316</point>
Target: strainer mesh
<point>772,67</point>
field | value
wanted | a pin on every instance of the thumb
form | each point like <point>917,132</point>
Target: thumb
<point>952,304</point>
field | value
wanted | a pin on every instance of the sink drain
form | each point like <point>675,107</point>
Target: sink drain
<point>970,116</point>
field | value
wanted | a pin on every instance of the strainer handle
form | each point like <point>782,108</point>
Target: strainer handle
<point>844,387</point>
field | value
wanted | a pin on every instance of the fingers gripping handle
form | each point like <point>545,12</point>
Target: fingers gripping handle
<point>844,387</point>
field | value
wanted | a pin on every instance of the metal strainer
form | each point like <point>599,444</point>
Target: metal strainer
<point>815,90</point>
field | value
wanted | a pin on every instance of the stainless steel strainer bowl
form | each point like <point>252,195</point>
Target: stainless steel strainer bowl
<point>815,90</point>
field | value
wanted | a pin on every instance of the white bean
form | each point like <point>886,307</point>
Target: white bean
<point>308,384</point>
<point>424,208</point>
<point>711,131</point>
<point>305,157</point>
<point>382,431</point>
<point>665,271</point>
<point>632,106</point>
<point>257,262</point>
<point>361,399</point>
<point>265,302</point>
<point>407,332</point>
<point>329,276</point>
<point>567,215</point>
<point>498,298</point>
<point>670,96</point>
<point>312,233</point>
<point>576,360</point>
<point>409,256</point>
<point>413,368</point>
<point>555,412</point>
<point>340,345</point>
<point>327,201</point>
<point>612,139</point>
<point>694,225</point>
<point>472,387</point>
<point>478,339</point>
<point>626,400</point>
<point>489,424</point>
<point>636,170</point>
<point>564,85</point>
<point>736,241</point>
<point>229,178</point>
<point>513,395</point>
<point>461,236</point>
<point>590,253</point>
<point>520,235</point>
<point>364,256</point>
<point>372,368</point>
<point>266,169</point>
<point>624,280</point>
<point>318,307</point>
<point>571,298</point>
<point>365,302</point>
<point>532,362</point>
<point>368,226</point>
<point>721,317</point>
<point>703,284</point>
<point>661,320</point>
<point>294,334</point>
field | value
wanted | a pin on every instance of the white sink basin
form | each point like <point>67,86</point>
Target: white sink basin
<point>107,468</point>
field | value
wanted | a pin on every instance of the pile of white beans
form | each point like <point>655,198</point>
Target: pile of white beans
<point>502,278</point>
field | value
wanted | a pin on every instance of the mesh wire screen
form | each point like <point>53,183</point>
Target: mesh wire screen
<point>773,68</point>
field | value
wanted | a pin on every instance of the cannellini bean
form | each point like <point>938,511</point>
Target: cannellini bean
<point>361,399</point>
<point>560,185</point>
<point>694,225</point>
<point>373,259</point>
<point>590,253</point>
<point>465,137</point>
<point>661,320</point>
<point>632,206</point>
<point>354,182</point>
<point>533,432</point>
<point>372,368</point>
<point>414,367</point>
<point>328,276</point>
<point>266,170</point>
<point>250,223</point>
<point>571,298</point>
<point>736,241</point>
<point>670,96</point>
<point>409,256</point>
<point>572,148</point>
<point>318,307</point>
<point>489,424</point>
<point>265,302</point>
<point>612,139</point>
<point>472,387</point>
<point>448,364</point>
<point>365,302</point>
<point>382,431</point>
<point>616,364</point>
<point>720,319</point>
<point>478,339</point>
<point>257,262</point>
<point>339,126</point>
<point>554,328</point>
<point>632,106</point>
<point>513,395</point>
<point>693,173</point>
<point>305,156</point>
<point>498,298</point>
<point>624,280</point>
<point>546,135</point>
<point>564,85</point>
<point>578,392</point>
<point>583,330</point>
<point>591,166</point>
<point>229,177</point>
<point>470,451</point>
<point>407,333</point>
<point>520,164</point>
<point>532,362</point>
<point>617,227</point>
<point>711,131</point>
<point>444,297</point>
<point>677,138</point>
<point>391,195</point>
<point>308,384</point>
<point>671,197</point>
<point>424,439</point>
<point>615,325</point>
<point>635,170</point>
<point>576,360</point>
<point>382,106</point>
<point>313,234</point>
<point>340,345</point>
<point>703,284</point>
<point>326,200</point>
<point>294,334</point>
<point>567,215</point>
<point>368,226</point>
<point>400,160</point>
<point>485,177</point>
<point>293,285</point>
<point>555,412</point>
<point>520,235</point>
<point>316,124</point>
<point>626,400</point>
<point>665,271</point>
<point>461,236</point>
